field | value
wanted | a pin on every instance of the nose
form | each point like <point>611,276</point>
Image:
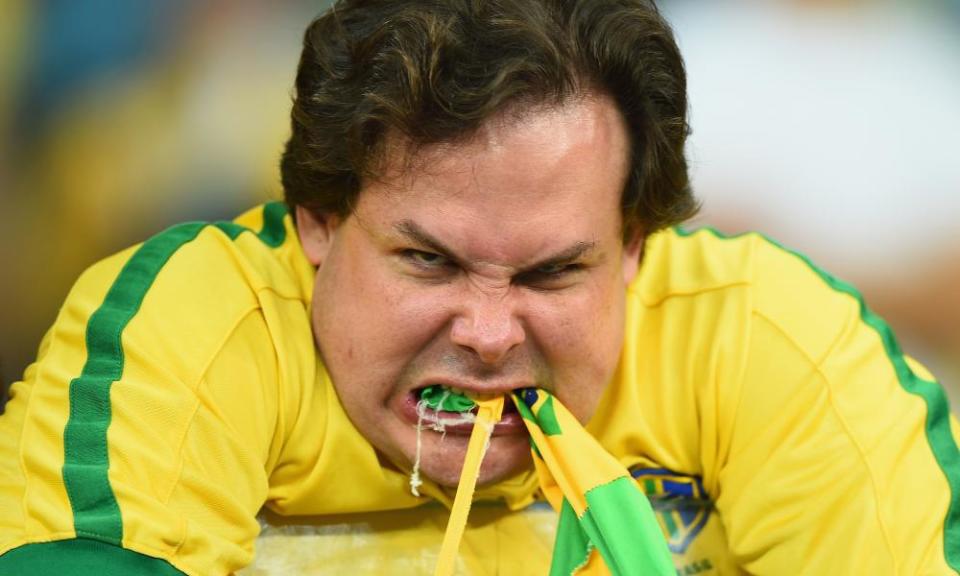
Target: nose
<point>489,327</point>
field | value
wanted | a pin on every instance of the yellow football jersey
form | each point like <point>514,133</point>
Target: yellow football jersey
<point>178,410</point>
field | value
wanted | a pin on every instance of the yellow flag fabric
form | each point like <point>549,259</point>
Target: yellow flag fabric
<point>606,523</point>
<point>490,410</point>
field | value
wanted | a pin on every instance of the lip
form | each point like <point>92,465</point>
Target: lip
<point>510,424</point>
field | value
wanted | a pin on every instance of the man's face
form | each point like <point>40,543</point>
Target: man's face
<point>484,266</point>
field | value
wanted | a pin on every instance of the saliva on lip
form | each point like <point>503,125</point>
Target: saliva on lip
<point>438,399</point>
<point>440,406</point>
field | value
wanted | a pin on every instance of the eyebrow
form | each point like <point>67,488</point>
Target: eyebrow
<point>415,233</point>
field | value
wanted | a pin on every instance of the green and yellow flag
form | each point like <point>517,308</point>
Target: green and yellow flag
<point>602,511</point>
<point>606,526</point>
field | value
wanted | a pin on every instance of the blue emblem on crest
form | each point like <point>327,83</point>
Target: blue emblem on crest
<point>680,502</point>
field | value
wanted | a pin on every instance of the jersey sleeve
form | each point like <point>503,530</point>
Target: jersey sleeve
<point>843,455</point>
<point>141,439</point>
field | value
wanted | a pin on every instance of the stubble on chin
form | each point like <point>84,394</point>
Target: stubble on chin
<point>444,465</point>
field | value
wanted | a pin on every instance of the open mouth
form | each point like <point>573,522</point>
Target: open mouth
<point>450,411</point>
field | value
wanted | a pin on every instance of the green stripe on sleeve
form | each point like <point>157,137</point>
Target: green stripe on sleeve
<point>937,424</point>
<point>82,557</point>
<point>96,513</point>
<point>95,510</point>
<point>273,233</point>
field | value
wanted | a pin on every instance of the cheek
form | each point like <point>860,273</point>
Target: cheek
<point>580,327</point>
<point>371,322</point>
<point>581,338</point>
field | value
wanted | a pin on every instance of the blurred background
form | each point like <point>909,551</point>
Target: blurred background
<point>831,125</point>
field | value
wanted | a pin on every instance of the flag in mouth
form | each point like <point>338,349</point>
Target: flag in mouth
<point>606,523</point>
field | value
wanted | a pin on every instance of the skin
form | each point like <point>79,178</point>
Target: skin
<point>486,265</point>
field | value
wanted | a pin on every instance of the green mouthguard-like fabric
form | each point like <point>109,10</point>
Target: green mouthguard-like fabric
<point>437,398</point>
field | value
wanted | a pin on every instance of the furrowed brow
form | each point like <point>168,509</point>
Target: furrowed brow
<point>565,256</point>
<point>412,231</point>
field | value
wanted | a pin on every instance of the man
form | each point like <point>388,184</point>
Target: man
<point>480,195</point>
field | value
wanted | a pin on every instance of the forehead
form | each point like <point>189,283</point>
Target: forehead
<point>521,172</point>
<point>586,129</point>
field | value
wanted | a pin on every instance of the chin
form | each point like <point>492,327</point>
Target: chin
<point>505,458</point>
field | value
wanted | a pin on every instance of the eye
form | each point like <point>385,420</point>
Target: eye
<point>551,276</point>
<point>425,259</point>
<point>556,269</point>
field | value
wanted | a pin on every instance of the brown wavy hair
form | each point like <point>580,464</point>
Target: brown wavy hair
<point>434,70</point>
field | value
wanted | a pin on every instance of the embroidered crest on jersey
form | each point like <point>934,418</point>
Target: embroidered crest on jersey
<point>680,502</point>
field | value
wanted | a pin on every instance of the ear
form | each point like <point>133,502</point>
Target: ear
<point>632,252</point>
<point>316,233</point>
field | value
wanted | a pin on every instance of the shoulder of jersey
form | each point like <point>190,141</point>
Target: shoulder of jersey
<point>782,285</point>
